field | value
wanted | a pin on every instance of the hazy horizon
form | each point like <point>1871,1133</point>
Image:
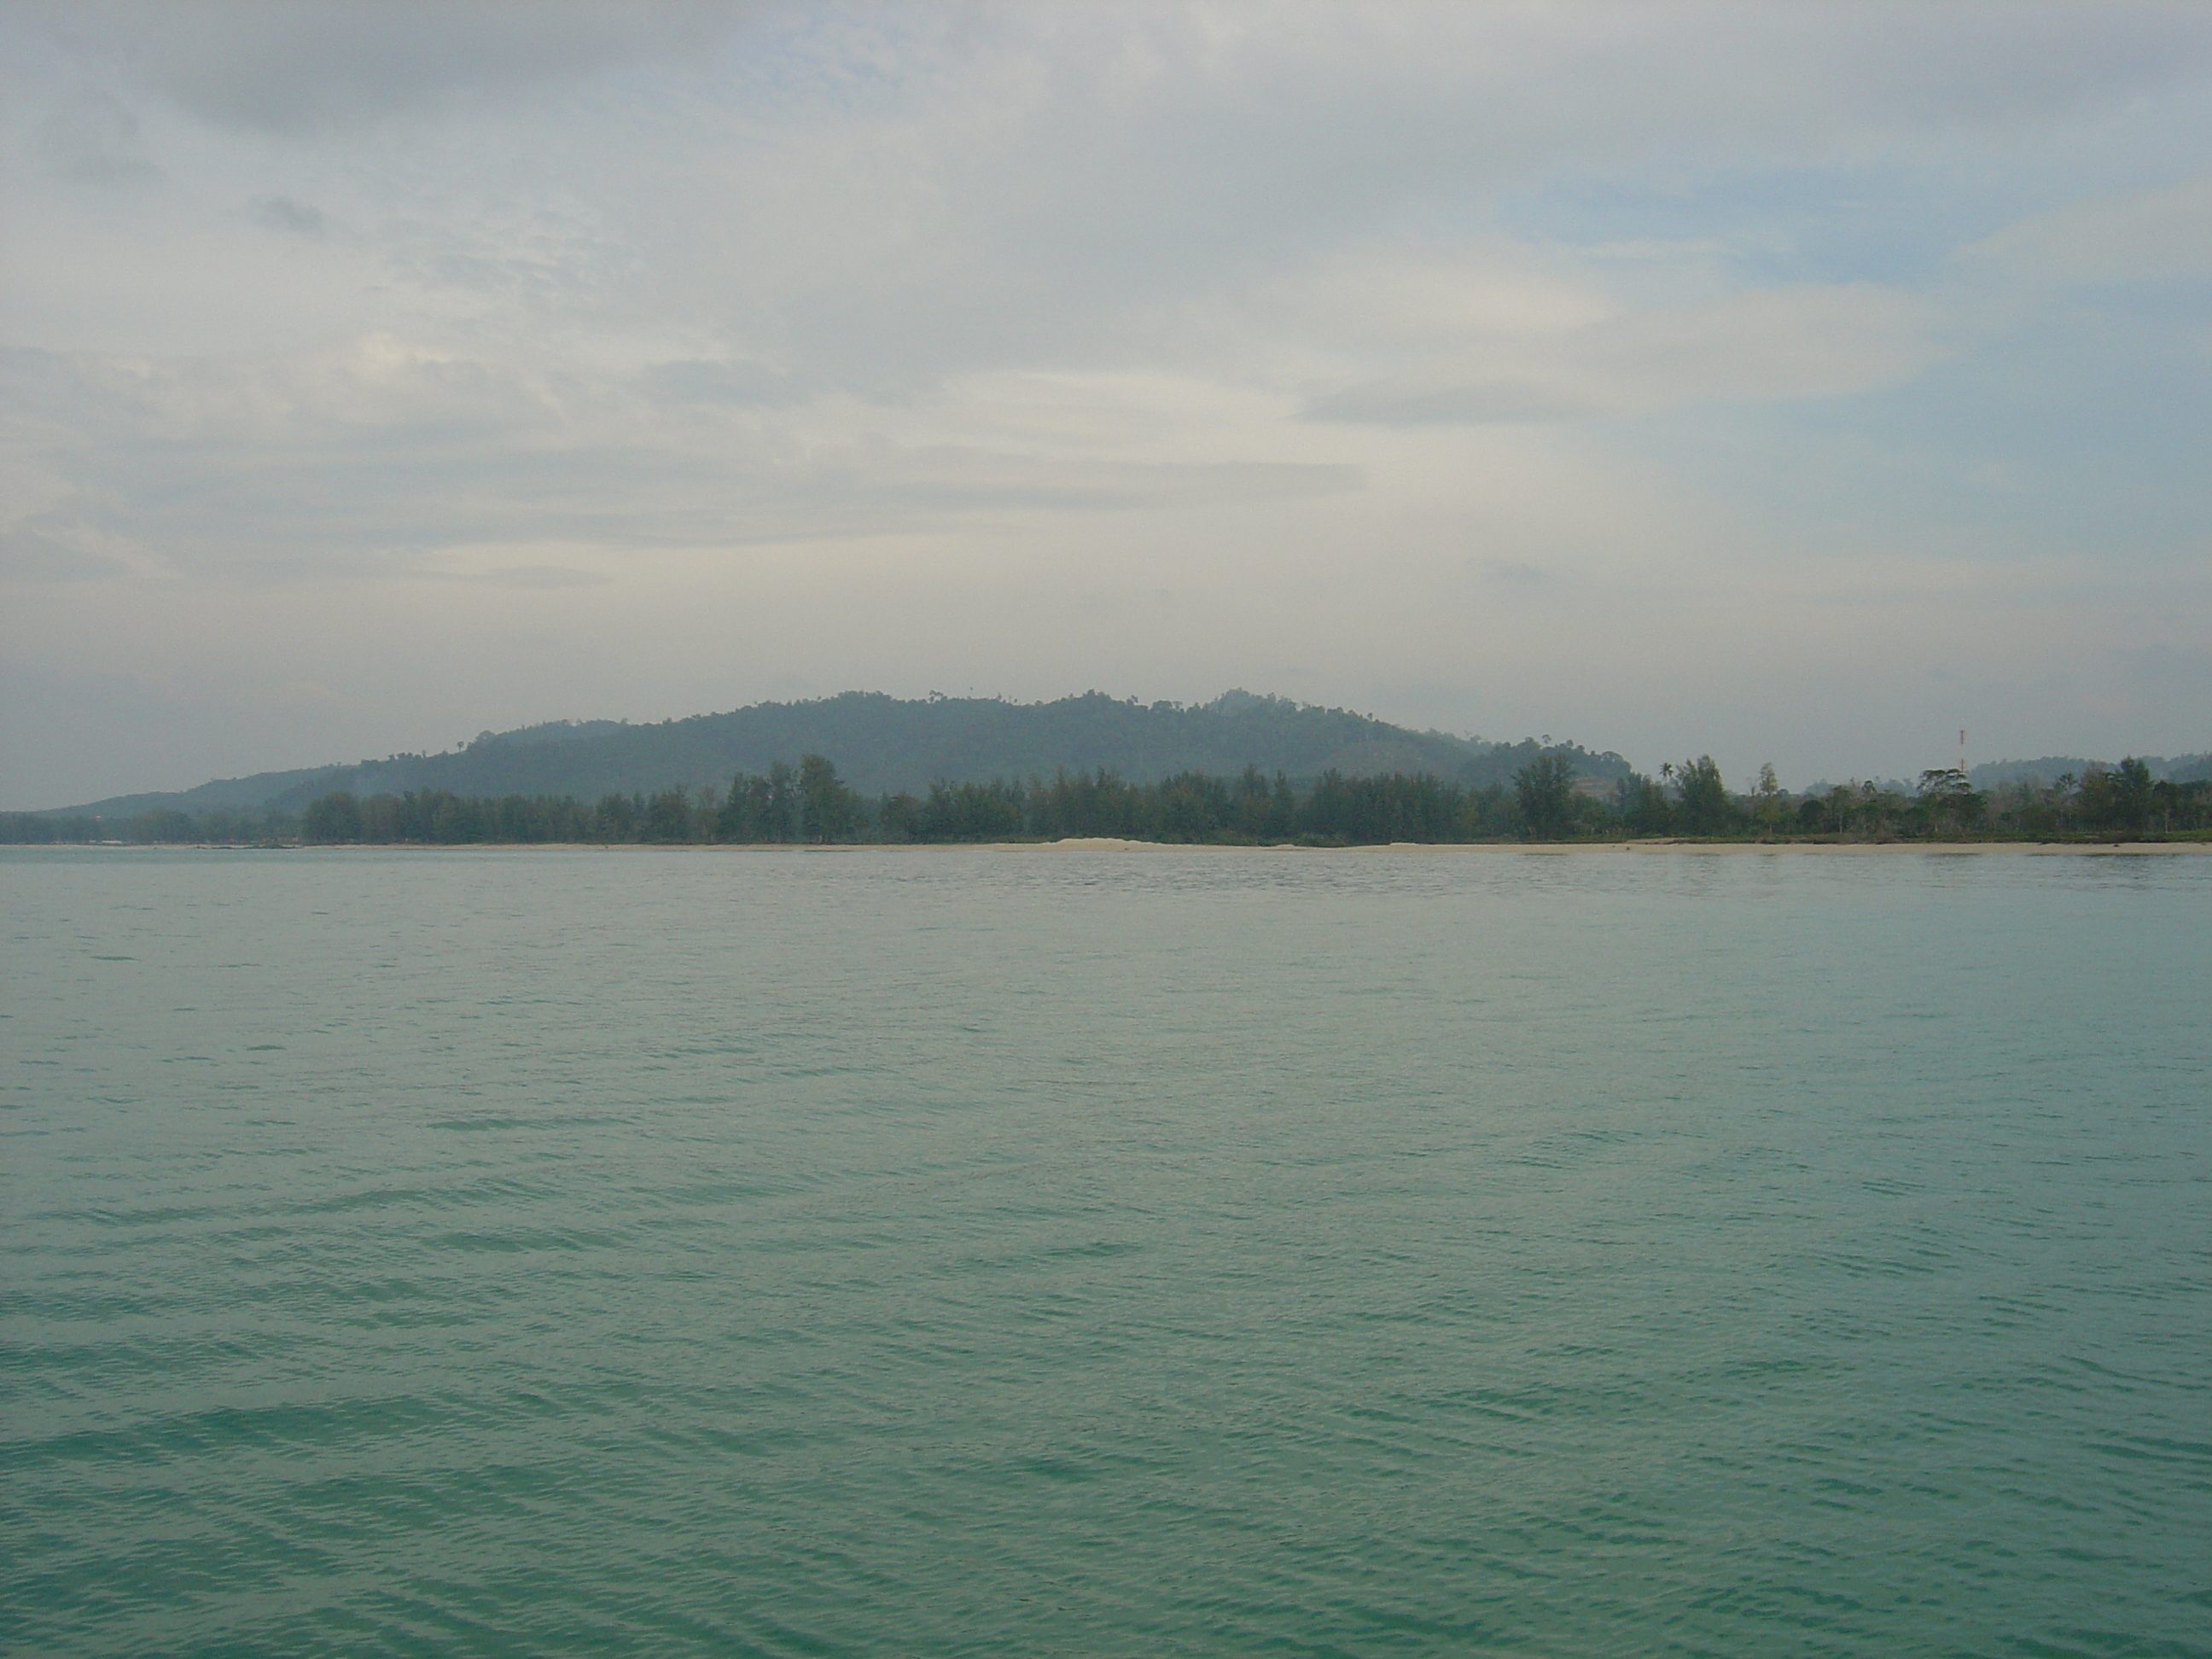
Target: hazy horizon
<point>838,746</point>
<point>1797,383</point>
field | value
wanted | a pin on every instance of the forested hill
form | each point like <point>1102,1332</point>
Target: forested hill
<point>880,744</point>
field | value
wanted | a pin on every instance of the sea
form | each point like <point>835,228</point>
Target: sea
<point>1097,1251</point>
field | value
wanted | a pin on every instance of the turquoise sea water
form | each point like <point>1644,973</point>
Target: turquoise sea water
<point>1040,1251</point>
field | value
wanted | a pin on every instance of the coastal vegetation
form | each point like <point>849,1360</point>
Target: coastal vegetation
<point>883,746</point>
<point>1545,799</point>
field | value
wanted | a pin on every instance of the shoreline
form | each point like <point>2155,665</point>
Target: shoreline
<point>1117,844</point>
<point>2043,848</point>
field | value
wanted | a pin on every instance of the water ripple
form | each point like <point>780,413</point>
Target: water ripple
<point>973,1253</point>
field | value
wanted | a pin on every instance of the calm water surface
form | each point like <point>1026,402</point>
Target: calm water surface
<point>1035,1251</point>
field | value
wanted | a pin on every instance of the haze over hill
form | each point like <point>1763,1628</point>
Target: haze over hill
<point>882,743</point>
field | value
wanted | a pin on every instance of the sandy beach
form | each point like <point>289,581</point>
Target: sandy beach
<point>1834,849</point>
<point>1115,844</point>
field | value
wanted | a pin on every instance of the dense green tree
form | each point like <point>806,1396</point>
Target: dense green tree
<point>811,801</point>
<point>668,817</point>
<point>783,820</point>
<point>1948,803</point>
<point>615,818</point>
<point>163,824</point>
<point>1642,805</point>
<point>827,809</point>
<point>1701,798</point>
<point>971,812</point>
<point>335,818</point>
<point>1543,795</point>
<point>899,816</point>
<point>2169,803</point>
<point>1766,799</point>
<point>745,812</point>
<point>2131,795</point>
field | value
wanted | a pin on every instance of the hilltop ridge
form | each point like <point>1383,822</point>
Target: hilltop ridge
<point>881,743</point>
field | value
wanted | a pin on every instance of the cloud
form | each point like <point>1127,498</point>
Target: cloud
<point>298,66</point>
<point>540,576</point>
<point>49,549</point>
<point>1765,345</point>
<point>2137,236</point>
<point>282,213</point>
<point>1080,171</point>
<point>701,380</point>
<point>92,138</point>
<point>1510,573</point>
<point>367,459</point>
<point>731,347</point>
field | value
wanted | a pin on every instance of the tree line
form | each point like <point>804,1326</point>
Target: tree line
<point>161,826</point>
<point>2124,800</point>
<point>1546,799</point>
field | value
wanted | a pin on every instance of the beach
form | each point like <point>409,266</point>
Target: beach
<point>1849,849</point>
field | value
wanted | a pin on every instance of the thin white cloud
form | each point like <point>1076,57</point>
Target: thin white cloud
<point>92,137</point>
<point>534,576</point>
<point>744,348</point>
<point>299,66</point>
<point>369,458</point>
<point>286,214</point>
<point>1765,345</point>
<point>2134,236</point>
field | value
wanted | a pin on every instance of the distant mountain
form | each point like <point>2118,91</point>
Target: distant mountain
<point>224,794</point>
<point>2179,768</point>
<point>881,743</point>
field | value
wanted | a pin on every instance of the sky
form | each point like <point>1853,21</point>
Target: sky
<point>1798,383</point>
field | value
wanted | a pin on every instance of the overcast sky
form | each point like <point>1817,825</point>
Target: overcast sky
<point>1791,381</point>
